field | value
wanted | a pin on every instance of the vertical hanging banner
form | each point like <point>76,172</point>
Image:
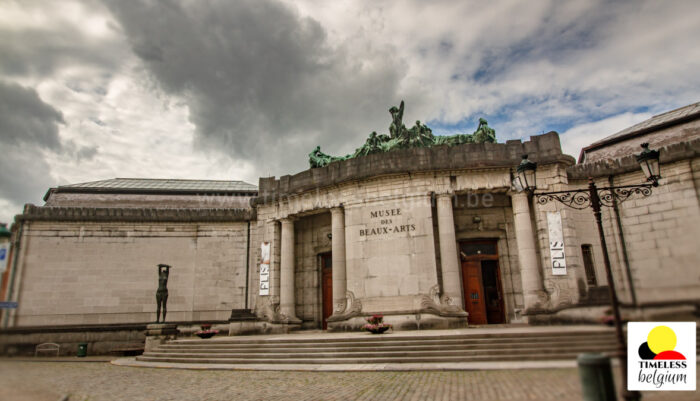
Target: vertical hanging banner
<point>265,268</point>
<point>556,244</point>
<point>4,254</point>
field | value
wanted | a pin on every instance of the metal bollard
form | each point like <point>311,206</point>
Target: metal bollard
<point>82,349</point>
<point>596,377</point>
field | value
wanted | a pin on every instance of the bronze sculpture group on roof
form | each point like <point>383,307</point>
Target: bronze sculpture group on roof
<point>402,138</point>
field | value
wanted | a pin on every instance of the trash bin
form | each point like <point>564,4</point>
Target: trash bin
<point>82,349</point>
<point>596,377</point>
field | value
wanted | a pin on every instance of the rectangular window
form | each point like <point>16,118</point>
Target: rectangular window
<point>588,265</point>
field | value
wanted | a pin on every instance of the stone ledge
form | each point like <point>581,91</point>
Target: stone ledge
<point>543,149</point>
<point>50,213</point>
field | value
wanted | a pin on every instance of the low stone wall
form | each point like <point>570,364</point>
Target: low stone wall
<point>101,340</point>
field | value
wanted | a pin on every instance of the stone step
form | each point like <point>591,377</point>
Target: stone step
<point>368,360</point>
<point>389,337</point>
<point>388,354</point>
<point>375,341</point>
<point>451,347</point>
<point>382,347</point>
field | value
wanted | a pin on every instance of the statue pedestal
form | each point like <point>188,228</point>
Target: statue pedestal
<point>158,333</point>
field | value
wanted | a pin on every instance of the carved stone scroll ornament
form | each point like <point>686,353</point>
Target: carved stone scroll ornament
<point>559,293</point>
<point>269,311</point>
<point>441,305</point>
<point>352,307</point>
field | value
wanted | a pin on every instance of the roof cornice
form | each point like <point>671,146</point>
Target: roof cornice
<point>104,214</point>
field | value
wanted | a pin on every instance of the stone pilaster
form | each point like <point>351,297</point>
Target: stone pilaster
<point>525,239</point>
<point>449,261</point>
<point>338,260</point>
<point>287,301</point>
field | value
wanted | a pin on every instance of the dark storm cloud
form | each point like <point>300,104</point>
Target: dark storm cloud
<point>40,52</point>
<point>62,39</point>
<point>26,119</point>
<point>27,127</point>
<point>261,82</point>
<point>26,175</point>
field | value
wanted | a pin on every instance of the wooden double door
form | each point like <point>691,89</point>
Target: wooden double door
<point>326,287</point>
<point>481,280</point>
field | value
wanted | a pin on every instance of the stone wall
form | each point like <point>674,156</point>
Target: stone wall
<point>105,272</point>
<point>660,231</point>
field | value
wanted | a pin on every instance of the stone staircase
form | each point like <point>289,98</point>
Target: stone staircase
<point>400,347</point>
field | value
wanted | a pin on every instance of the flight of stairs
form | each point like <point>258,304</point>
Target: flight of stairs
<point>386,348</point>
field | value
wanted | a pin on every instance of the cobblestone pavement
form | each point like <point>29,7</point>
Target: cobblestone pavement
<point>97,381</point>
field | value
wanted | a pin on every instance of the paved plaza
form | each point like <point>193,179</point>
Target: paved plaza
<point>97,381</point>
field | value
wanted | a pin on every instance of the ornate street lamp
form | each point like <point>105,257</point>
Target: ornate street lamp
<point>594,198</point>
<point>649,162</point>
<point>527,177</point>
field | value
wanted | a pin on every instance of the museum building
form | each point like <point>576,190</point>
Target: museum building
<point>431,232</point>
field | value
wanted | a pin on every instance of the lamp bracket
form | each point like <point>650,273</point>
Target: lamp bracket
<point>581,198</point>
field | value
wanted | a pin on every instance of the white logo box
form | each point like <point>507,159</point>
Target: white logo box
<point>660,375</point>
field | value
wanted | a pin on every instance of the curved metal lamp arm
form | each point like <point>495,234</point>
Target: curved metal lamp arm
<point>577,199</point>
<point>581,198</point>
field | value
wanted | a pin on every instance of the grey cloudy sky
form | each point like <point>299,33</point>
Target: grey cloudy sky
<point>92,89</point>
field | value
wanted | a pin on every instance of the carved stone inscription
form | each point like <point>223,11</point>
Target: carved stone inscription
<point>390,250</point>
<point>388,221</point>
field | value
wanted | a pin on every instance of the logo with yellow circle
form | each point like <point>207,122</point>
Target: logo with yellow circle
<point>660,345</point>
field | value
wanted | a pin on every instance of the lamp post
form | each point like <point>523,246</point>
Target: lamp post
<point>594,198</point>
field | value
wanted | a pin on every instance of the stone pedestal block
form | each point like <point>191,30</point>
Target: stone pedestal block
<point>158,333</point>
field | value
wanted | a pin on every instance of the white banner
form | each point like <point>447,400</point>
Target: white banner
<point>556,244</point>
<point>4,254</point>
<point>265,268</point>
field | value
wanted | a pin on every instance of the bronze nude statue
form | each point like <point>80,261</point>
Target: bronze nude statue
<point>162,293</point>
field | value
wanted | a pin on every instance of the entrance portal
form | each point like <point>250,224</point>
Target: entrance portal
<point>326,287</point>
<point>481,280</point>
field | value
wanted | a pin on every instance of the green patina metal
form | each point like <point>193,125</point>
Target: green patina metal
<point>418,136</point>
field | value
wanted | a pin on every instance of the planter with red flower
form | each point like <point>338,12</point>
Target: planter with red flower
<point>376,325</point>
<point>206,332</point>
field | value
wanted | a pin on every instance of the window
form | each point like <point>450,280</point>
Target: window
<point>588,265</point>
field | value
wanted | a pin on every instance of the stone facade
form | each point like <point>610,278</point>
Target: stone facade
<point>660,231</point>
<point>429,237</point>
<point>402,232</point>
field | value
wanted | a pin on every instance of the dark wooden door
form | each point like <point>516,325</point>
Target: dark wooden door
<point>493,298</point>
<point>473,293</point>
<point>483,291</point>
<point>327,287</point>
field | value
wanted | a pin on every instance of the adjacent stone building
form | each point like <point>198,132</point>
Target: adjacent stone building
<point>430,237</point>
